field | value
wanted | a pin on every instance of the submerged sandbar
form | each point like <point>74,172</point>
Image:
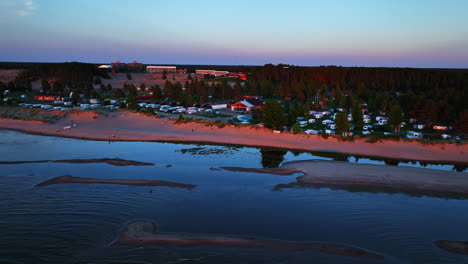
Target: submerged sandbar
<point>143,232</point>
<point>71,179</point>
<point>115,162</point>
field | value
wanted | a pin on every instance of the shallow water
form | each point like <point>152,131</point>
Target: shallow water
<point>75,223</point>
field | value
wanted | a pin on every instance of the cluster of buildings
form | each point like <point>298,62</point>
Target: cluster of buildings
<point>214,73</point>
<point>138,67</point>
<point>131,66</point>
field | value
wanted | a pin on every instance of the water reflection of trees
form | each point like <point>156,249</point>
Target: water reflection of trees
<point>459,167</point>
<point>272,158</point>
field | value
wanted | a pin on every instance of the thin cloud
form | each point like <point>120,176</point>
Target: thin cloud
<point>26,8</point>
<point>10,9</point>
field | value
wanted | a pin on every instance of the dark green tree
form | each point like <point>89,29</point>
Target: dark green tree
<point>380,102</point>
<point>58,86</point>
<point>94,94</point>
<point>272,115</point>
<point>157,93</point>
<point>341,122</point>
<point>395,117</point>
<point>132,102</point>
<point>177,90</point>
<point>169,89</point>
<point>131,89</point>
<point>357,115</point>
<point>119,93</point>
<point>296,128</point>
<point>45,85</point>
<point>11,86</point>
<point>257,114</point>
<point>75,97</point>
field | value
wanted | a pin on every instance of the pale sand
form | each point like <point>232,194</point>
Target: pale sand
<point>128,126</point>
<point>142,232</point>
<point>345,175</point>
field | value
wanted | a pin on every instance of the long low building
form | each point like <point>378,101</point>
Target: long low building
<point>161,69</point>
<point>211,72</point>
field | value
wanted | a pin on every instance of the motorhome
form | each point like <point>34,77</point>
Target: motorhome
<point>412,134</point>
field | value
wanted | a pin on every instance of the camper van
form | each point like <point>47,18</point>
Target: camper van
<point>412,134</point>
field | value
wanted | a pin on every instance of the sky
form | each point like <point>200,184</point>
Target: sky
<point>386,33</point>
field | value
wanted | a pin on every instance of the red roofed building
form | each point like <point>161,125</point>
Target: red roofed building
<point>239,75</point>
<point>48,97</point>
<point>246,105</point>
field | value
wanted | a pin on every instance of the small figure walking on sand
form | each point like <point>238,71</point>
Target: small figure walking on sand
<point>192,130</point>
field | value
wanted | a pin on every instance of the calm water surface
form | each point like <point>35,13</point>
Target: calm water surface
<point>75,223</point>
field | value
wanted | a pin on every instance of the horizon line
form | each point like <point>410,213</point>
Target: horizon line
<point>246,65</point>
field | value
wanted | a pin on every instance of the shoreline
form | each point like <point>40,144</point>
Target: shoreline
<point>134,127</point>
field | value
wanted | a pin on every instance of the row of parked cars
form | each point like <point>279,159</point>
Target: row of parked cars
<point>43,106</point>
<point>175,109</point>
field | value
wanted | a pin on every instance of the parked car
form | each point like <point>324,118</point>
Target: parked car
<point>303,123</point>
<point>312,132</point>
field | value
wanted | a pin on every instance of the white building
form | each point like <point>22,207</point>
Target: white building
<point>211,72</point>
<point>161,69</point>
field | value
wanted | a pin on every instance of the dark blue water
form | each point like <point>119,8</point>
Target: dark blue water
<point>75,223</point>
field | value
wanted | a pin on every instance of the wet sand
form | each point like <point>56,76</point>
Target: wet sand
<point>127,126</point>
<point>142,232</point>
<point>70,179</point>
<point>362,177</point>
<point>115,162</point>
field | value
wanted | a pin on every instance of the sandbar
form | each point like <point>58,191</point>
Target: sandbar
<point>71,179</point>
<point>143,232</point>
<point>459,247</point>
<point>363,177</point>
<point>115,162</point>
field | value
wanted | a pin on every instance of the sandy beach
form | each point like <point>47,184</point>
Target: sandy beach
<point>127,126</point>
